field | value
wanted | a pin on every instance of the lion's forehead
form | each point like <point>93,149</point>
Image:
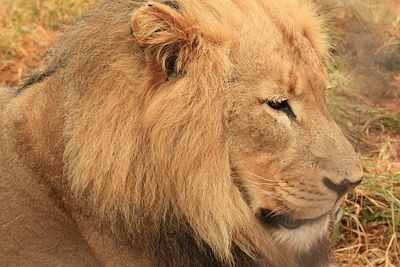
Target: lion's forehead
<point>279,68</point>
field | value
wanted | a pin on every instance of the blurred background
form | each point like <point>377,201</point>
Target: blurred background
<point>364,96</point>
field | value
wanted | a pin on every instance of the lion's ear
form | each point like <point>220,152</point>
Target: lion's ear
<point>166,35</point>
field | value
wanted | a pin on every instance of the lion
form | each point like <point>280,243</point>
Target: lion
<point>175,133</point>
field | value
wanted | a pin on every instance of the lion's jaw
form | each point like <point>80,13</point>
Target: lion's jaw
<point>303,238</point>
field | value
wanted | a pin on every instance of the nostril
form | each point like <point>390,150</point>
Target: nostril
<point>342,188</point>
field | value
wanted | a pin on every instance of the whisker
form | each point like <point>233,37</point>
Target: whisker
<point>270,184</point>
<point>263,191</point>
<point>280,210</point>
<point>266,182</point>
<point>257,176</point>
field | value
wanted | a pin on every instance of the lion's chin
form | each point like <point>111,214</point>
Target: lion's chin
<point>299,235</point>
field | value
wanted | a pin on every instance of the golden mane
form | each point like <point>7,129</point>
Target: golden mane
<point>169,164</point>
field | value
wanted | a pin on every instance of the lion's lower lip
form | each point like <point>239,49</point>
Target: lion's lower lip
<point>284,220</point>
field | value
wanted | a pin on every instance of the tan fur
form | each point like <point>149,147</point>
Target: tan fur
<point>153,166</point>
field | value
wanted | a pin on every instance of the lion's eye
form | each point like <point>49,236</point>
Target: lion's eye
<point>282,106</point>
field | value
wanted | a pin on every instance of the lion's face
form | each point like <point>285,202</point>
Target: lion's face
<point>289,158</point>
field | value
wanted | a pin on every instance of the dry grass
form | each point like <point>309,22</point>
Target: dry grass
<point>365,100</point>
<point>367,228</point>
<point>27,27</point>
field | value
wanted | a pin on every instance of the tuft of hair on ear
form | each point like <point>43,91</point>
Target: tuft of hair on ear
<point>168,38</point>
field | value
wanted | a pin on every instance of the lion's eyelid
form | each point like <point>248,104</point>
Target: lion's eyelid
<point>283,106</point>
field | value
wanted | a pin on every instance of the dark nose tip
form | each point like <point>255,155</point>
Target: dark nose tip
<point>342,188</point>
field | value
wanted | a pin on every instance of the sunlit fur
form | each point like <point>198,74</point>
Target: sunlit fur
<point>147,154</point>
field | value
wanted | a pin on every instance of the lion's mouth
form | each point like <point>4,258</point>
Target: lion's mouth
<point>289,222</point>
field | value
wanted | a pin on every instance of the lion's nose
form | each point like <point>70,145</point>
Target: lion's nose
<point>343,187</point>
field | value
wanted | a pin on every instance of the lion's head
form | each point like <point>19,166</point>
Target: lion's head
<point>204,123</point>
